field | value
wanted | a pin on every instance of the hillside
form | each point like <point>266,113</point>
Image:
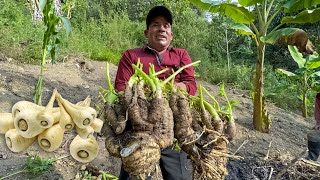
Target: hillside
<point>77,77</point>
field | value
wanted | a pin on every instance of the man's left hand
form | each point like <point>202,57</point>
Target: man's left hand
<point>181,85</point>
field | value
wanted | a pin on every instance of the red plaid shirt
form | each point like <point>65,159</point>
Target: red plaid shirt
<point>173,58</point>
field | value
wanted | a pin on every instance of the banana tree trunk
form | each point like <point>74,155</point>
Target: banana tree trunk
<point>304,97</point>
<point>304,106</point>
<point>36,12</point>
<point>258,94</point>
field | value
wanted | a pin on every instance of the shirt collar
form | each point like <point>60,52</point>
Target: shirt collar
<point>147,47</point>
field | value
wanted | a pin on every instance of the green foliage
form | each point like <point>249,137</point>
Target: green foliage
<point>216,72</point>
<point>305,77</point>
<point>18,35</point>
<point>35,165</point>
<point>306,16</point>
<point>261,13</point>
<point>107,38</point>
<point>280,91</point>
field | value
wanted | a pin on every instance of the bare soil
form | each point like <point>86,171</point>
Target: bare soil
<point>263,155</point>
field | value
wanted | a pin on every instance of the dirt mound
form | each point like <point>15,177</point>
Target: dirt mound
<point>77,77</point>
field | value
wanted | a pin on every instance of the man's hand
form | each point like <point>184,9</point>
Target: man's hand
<point>181,85</point>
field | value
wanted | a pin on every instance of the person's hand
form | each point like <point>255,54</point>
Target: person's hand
<point>181,85</point>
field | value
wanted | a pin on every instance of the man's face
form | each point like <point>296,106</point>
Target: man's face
<point>159,33</point>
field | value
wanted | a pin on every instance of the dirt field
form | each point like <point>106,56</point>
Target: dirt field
<point>76,78</point>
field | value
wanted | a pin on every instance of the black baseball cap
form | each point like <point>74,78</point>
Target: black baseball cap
<point>159,11</point>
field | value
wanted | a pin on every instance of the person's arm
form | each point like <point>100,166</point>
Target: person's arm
<point>124,72</point>
<point>187,75</point>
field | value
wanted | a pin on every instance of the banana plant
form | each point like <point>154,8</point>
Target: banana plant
<point>50,41</point>
<point>305,77</point>
<point>255,23</point>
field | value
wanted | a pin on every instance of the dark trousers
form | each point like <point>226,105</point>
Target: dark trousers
<point>317,109</point>
<point>174,166</point>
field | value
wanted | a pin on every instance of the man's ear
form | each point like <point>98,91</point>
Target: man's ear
<point>146,32</point>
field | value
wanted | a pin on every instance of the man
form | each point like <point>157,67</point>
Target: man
<point>174,165</point>
<point>314,135</point>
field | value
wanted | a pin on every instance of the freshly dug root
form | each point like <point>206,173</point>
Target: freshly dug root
<point>218,126</point>
<point>163,129</point>
<point>142,101</point>
<point>114,111</point>
<point>65,120</point>
<point>134,114</point>
<point>230,130</point>
<point>45,117</point>
<point>229,127</point>
<point>85,103</point>
<point>51,139</point>
<point>16,142</point>
<point>84,133</point>
<point>97,125</point>
<point>212,165</point>
<point>56,116</point>
<point>6,122</point>
<point>84,150</point>
<point>196,132</point>
<point>210,160</point>
<point>140,155</point>
<point>116,120</point>
<point>26,123</point>
<point>196,120</point>
<point>183,123</point>
<point>128,92</point>
<point>112,142</point>
<point>26,118</point>
<point>81,116</point>
<point>25,105</point>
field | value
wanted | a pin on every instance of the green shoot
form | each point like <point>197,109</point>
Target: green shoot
<point>108,176</point>
<point>111,88</point>
<point>153,81</point>
<point>215,102</point>
<point>176,145</point>
<point>110,97</point>
<point>230,104</point>
<point>179,70</point>
<point>204,105</point>
<point>145,76</point>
